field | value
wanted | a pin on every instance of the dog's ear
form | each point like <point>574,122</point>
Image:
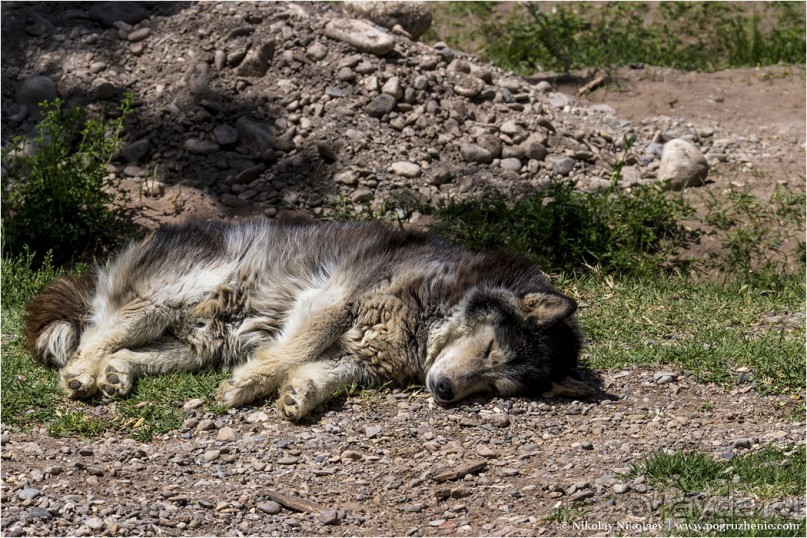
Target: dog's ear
<point>548,306</point>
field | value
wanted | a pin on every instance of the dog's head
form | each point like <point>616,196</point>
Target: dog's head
<point>496,341</point>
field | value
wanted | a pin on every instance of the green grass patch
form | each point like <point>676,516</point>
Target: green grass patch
<point>699,36</point>
<point>728,498</point>
<point>709,328</point>
<point>768,473</point>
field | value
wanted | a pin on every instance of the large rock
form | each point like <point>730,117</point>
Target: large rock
<point>413,17</point>
<point>362,35</point>
<point>682,165</point>
<point>33,91</point>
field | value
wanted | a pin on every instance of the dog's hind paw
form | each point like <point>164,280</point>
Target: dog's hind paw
<point>295,401</point>
<point>115,379</point>
<point>79,386</point>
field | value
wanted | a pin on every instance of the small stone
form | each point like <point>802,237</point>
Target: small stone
<point>199,146</point>
<point>86,451</point>
<point>139,34</point>
<point>662,378</point>
<point>289,460</point>
<point>34,90</point>
<point>742,443</point>
<point>543,87</point>
<point>563,166</point>
<point>256,63</point>
<point>380,105</point>
<point>499,420</point>
<point>95,523</point>
<point>436,522</point>
<point>257,416</point>
<point>206,425</point>
<point>329,517</point>
<point>372,431</point>
<point>29,493</point>
<point>346,74</point>
<point>511,164</point>
<point>316,51</point>
<point>346,177</point>
<point>40,513</point>
<point>619,489</point>
<point>393,87</point>
<point>225,135</point>
<point>413,17</point>
<point>360,196</point>
<point>269,507</point>
<point>226,434</point>
<point>211,455</point>
<point>587,445</point>
<point>136,151</point>
<point>485,451</point>
<point>467,85</point>
<point>581,495</point>
<point>406,169</point>
<point>476,154</point>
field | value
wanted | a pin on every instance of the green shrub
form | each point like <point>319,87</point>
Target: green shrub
<point>62,198</point>
<point>563,229</point>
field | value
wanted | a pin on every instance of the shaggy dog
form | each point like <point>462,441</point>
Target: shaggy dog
<point>307,309</point>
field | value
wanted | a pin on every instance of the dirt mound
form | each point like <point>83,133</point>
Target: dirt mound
<point>252,108</point>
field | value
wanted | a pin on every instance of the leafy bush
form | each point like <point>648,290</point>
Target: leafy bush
<point>63,199</point>
<point>563,229</point>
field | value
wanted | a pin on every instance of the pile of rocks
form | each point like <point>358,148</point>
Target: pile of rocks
<point>267,106</point>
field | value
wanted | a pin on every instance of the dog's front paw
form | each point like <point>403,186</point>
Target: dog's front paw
<point>235,393</point>
<point>115,379</point>
<point>78,385</point>
<point>296,400</point>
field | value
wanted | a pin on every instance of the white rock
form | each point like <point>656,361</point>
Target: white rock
<point>682,165</point>
<point>414,17</point>
<point>362,35</point>
<point>406,169</point>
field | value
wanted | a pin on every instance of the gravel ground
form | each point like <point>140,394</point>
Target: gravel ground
<point>392,463</point>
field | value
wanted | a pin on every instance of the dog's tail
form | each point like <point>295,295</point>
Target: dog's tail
<point>55,319</point>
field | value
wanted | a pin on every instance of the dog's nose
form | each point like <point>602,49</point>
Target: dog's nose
<point>443,390</point>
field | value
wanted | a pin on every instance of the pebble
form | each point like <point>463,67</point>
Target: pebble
<point>742,443</point>
<point>329,517</point>
<point>198,146</point>
<point>380,105</point>
<point>269,507</point>
<point>511,163</point>
<point>28,493</point>
<point>95,523</point>
<point>256,63</point>
<point>564,166</point>
<point>581,495</point>
<point>211,455</point>
<point>475,153</point>
<point>406,169</point>
<point>139,35</point>
<point>619,489</point>
<point>226,435</point>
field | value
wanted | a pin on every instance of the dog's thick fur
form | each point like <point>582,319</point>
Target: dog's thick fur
<point>309,308</point>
